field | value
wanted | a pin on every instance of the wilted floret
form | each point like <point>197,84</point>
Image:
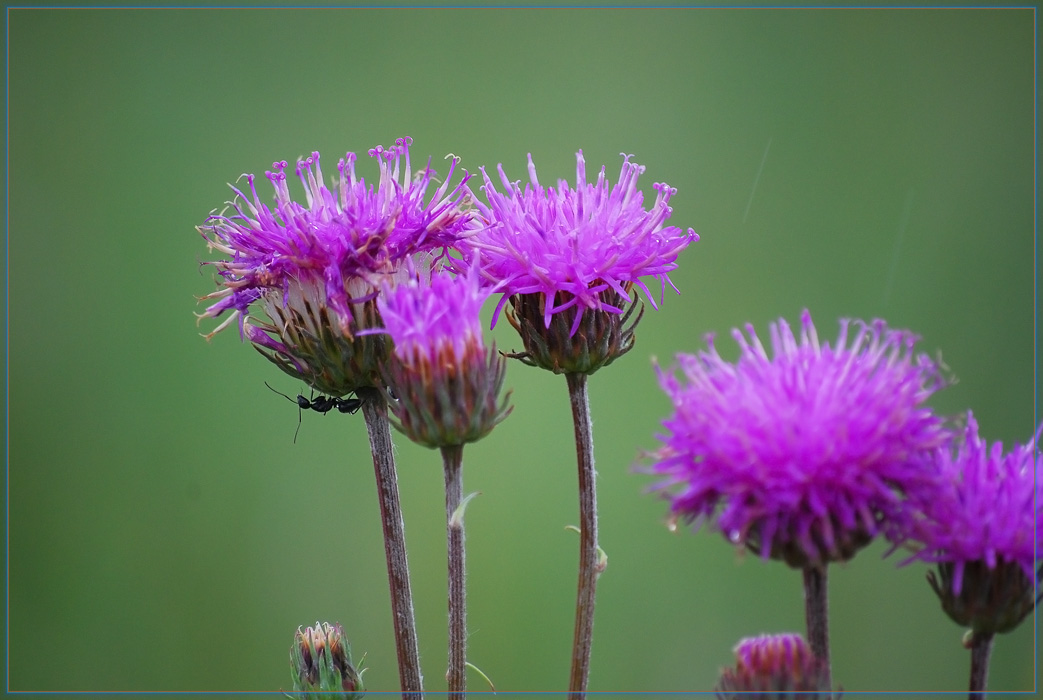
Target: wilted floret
<point>311,268</point>
<point>774,666</point>
<point>806,455</point>
<point>984,529</point>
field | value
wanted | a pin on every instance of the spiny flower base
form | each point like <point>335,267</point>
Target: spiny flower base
<point>322,356</point>
<point>825,540</point>
<point>571,345</point>
<point>990,600</point>
<point>443,403</point>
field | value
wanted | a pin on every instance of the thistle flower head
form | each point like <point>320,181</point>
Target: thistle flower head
<point>310,268</point>
<point>434,314</point>
<point>445,383</point>
<point>321,665</point>
<point>581,241</point>
<point>984,529</point>
<point>562,253</point>
<point>806,455</point>
<point>773,666</point>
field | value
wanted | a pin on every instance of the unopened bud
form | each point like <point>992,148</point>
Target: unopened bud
<point>320,659</point>
<point>773,666</point>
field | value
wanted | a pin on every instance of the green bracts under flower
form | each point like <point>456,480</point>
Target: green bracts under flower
<point>320,662</point>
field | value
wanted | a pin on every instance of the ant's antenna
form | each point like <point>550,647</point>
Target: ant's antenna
<point>300,408</point>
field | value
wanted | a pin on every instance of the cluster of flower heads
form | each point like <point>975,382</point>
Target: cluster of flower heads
<point>572,245</point>
<point>807,455</point>
<point>301,279</point>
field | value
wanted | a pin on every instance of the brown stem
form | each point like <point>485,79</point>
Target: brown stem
<point>816,613</point>
<point>588,537</point>
<point>981,650</point>
<point>456,676</point>
<point>374,408</point>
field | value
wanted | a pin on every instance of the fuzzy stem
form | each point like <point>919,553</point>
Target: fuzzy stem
<point>456,676</point>
<point>816,612</point>
<point>588,536</point>
<point>374,408</point>
<point>981,650</point>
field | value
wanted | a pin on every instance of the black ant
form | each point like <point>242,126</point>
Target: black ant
<point>322,404</point>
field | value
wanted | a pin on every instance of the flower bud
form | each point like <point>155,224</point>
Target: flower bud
<point>446,384</point>
<point>773,666</point>
<point>320,659</point>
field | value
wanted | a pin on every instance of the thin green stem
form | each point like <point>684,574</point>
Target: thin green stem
<point>588,537</point>
<point>816,612</point>
<point>456,676</point>
<point>374,408</point>
<point>981,651</point>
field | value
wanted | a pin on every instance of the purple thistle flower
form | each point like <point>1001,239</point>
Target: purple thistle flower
<point>558,253</point>
<point>984,529</point>
<point>807,455</point>
<point>580,241</point>
<point>311,268</point>
<point>779,663</point>
<point>446,384</point>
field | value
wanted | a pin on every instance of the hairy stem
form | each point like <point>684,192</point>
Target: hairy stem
<point>816,612</point>
<point>981,650</point>
<point>456,676</point>
<point>588,537</point>
<point>374,408</point>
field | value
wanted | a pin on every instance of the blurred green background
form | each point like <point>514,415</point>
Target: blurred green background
<point>166,533</point>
